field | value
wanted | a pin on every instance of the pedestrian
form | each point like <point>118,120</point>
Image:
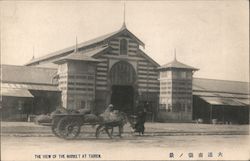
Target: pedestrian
<point>110,108</point>
<point>141,119</point>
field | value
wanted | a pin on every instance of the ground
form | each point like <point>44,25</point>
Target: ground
<point>27,141</point>
<point>233,147</point>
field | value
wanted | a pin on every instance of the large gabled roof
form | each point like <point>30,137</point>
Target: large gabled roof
<point>71,49</point>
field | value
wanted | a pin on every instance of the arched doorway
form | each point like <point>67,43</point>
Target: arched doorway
<point>122,79</point>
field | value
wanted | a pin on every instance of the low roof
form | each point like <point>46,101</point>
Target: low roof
<point>176,65</point>
<point>201,84</point>
<point>82,56</point>
<point>220,94</point>
<point>30,86</point>
<point>27,74</point>
<point>223,101</point>
<point>47,65</point>
<point>15,92</point>
<point>85,44</point>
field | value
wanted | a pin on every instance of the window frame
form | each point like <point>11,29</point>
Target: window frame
<point>124,51</point>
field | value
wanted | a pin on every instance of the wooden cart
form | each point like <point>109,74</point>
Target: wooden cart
<point>68,125</point>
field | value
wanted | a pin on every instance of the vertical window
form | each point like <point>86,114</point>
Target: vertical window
<point>169,109</point>
<point>82,104</point>
<point>183,74</point>
<point>123,47</point>
<point>177,107</point>
<point>175,74</point>
<point>162,107</point>
<point>78,104</point>
<point>183,105</point>
<point>189,106</point>
<point>189,74</point>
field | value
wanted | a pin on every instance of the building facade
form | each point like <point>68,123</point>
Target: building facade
<point>109,69</point>
<point>113,69</point>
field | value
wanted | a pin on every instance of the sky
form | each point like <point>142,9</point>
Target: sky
<point>210,35</point>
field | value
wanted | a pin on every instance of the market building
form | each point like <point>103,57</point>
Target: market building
<point>221,101</point>
<point>114,69</point>
<point>28,91</point>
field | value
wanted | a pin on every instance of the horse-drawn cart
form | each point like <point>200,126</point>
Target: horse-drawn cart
<point>68,125</point>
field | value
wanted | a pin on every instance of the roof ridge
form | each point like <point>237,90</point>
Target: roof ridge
<point>27,66</point>
<point>220,80</point>
<point>84,44</point>
<point>72,47</point>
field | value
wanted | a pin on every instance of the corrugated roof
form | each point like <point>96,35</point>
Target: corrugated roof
<point>78,57</point>
<point>85,44</point>
<point>83,55</point>
<point>178,65</point>
<point>244,101</point>
<point>40,87</point>
<point>219,94</point>
<point>201,84</point>
<point>27,74</point>
<point>222,101</point>
<point>15,92</point>
<point>92,53</point>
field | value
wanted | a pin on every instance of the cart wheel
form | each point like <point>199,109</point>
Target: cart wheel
<point>54,129</point>
<point>68,127</point>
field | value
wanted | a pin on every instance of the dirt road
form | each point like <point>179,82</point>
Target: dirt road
<point>212,147</point>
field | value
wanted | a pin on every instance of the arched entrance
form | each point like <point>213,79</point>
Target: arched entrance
<point>122,79</point>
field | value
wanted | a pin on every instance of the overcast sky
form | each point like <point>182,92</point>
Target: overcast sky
<point>210,35</point>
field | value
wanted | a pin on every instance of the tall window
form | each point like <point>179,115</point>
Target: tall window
<point>123,47</point>
<point>183,74</point>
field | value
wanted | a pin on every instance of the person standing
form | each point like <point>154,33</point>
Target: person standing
<point>141,119</point>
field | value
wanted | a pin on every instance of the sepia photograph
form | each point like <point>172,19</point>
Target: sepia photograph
<point>124,80</point>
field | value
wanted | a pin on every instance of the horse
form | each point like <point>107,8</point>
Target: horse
<point>136,123</point>
<point>119,120</point>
